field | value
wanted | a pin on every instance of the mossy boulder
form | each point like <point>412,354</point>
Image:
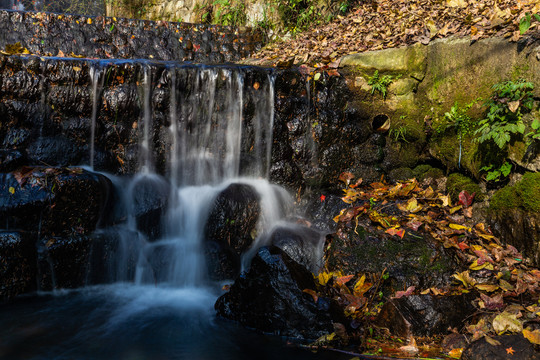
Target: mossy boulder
<point>425,171</point>
<point>458,182</point>
<point>515,215</point>
<point>524,195</point>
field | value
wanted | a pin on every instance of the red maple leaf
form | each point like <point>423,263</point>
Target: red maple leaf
<point>510,351</point>
<point>466,199</point>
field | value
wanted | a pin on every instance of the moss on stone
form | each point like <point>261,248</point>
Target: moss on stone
<point>424,171</point>
<point>459,182</point>
<point>524,195</point>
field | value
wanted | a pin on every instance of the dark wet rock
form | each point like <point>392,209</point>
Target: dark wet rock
<point>17,263</point>
<point>321,208</point>
<point>233,218</point>
<point>150,202</point>
<point>482,350</point>
<point>48,34</point>
<point>416,260</point>
<point>303,244</point>
<point>53,201</point>
<point>63,262</point>
<point>10,160</point>
<point>425,315</point>
<point>270,298</point>
<point>54,151</point>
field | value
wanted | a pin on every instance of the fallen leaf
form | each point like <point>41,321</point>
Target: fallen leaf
<point>506,322</point>
<point>407,292</point>
<point>510,351</point>
<point>532,336</point>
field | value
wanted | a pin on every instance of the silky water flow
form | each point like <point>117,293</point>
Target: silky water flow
<point>159,301</point>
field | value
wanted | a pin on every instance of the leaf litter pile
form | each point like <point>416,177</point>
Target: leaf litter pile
<point>380,24</point>
<point>505,283</point>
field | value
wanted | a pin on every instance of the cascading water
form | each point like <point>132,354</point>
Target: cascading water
<point>160,302</point>
<point>97,79</point>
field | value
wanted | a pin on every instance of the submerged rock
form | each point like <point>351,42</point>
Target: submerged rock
<point>270,298</point>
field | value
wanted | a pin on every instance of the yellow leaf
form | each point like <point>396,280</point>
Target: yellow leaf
<point>89,21</point>
<point>455,208</point>
<point>11,190</point>
<point>465,278</point>
<point>487,287</point>
<point>475,266</point>
<point>76,68</point>
<point>445,200</point>
<point>456,353</point>
<point>459,227</point>
<point>324,277</point>
<point>486,236</point>
<point>532,336</point>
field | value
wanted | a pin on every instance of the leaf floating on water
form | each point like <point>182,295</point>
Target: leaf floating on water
<point>11,190</point>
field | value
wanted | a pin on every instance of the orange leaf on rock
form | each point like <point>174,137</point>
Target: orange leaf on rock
<point>394,231</point>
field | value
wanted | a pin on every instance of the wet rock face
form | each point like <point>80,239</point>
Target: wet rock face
<point>321,134</point>
<point>100,37</point>
<point>52,201</point>
<point>230,229</point>
<point>63,262</point>
<point>270,298</point>
<point>482,350</point>
<point>17,264</point>
<point>234,217</point>
<point>300,243</point>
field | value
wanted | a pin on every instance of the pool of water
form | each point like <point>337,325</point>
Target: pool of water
<point>132,322</point>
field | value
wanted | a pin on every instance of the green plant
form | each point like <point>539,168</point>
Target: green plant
<point>526,21</point>
<point>399,133</point>
<point>495,173</point>
<point>230,13</point>
<point>505,112</point>
<point>380,83</point>
<point>458,121</point>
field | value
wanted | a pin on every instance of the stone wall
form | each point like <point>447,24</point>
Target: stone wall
<point>429,80</point>
<point>48,34</point>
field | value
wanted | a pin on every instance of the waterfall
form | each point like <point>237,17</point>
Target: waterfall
<point>207,134</point>
<point>97,80</point>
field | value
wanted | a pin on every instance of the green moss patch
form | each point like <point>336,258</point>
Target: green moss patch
<point>458,182</point>
<point>524,195</point>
